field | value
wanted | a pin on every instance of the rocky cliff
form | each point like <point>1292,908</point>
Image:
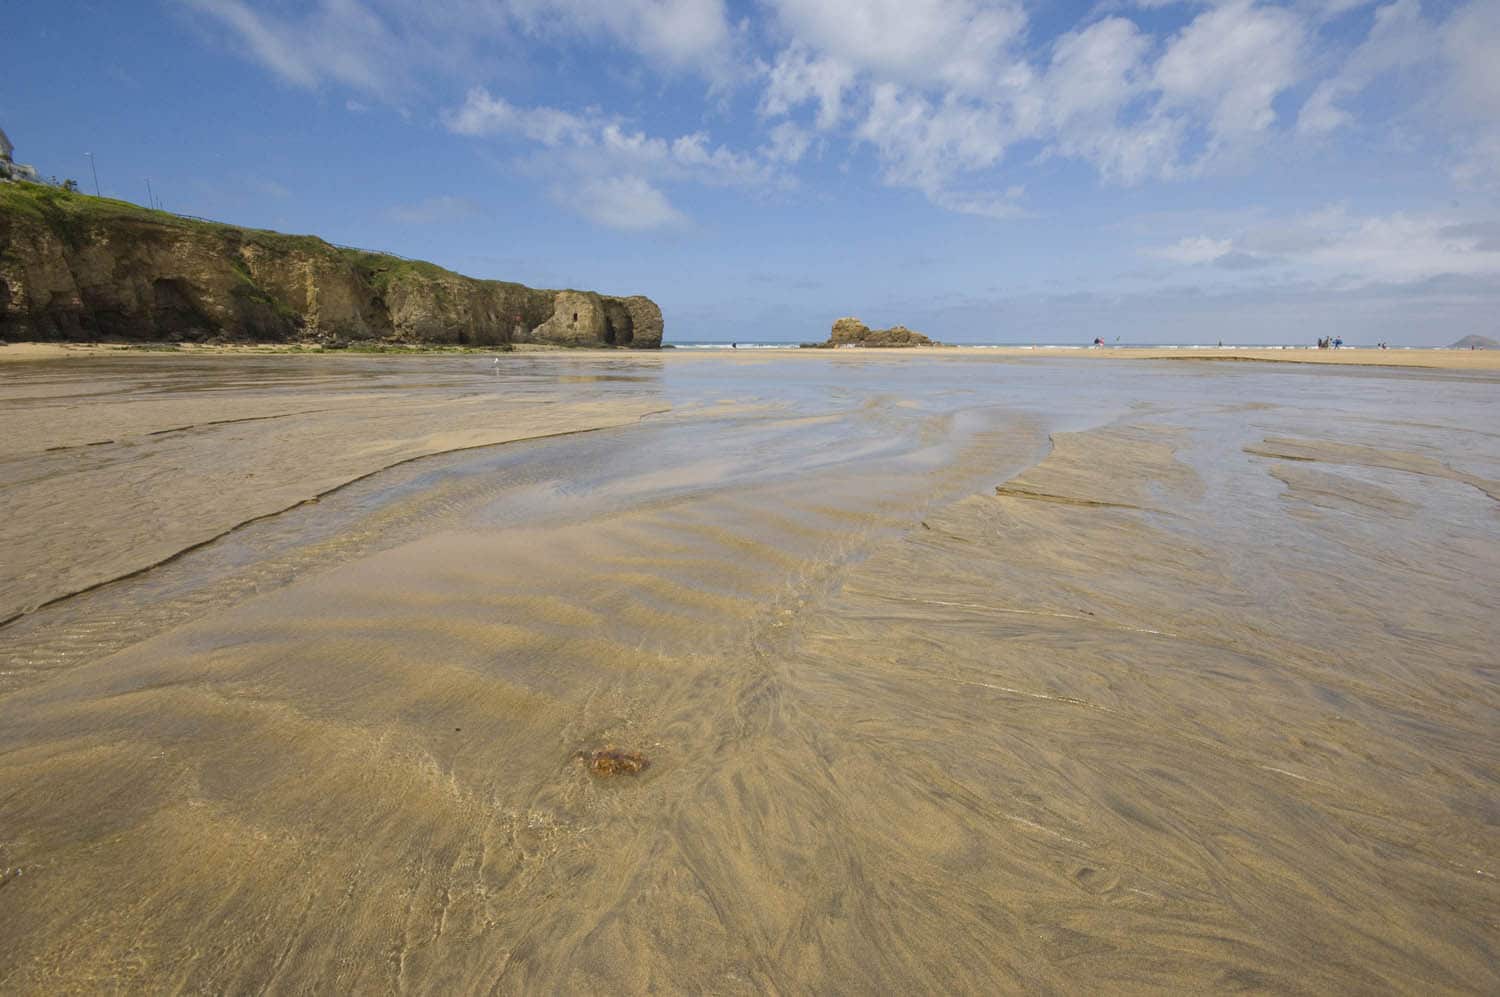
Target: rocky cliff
<point>80,267</point>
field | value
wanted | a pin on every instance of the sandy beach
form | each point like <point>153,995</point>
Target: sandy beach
<point>974,671</point>
<point>1436,358</point>
<point>685,497</point>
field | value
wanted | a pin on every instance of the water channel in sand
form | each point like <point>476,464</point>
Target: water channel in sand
<point>953,674</point>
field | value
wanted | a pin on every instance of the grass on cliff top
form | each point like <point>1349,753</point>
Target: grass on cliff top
<point>380,269</point>
<point>71,214</point>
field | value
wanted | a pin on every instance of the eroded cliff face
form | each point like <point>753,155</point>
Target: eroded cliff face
<point>79,267</point>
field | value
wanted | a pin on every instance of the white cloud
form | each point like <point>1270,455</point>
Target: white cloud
<point>788,144</point>
<point>483,114</point>
<point>683,33</point>
<point>1472,39</point>
<point>716,165</point>
<point>1461,110</point>
<point>1194,250</point>
<point>338,40</point>
<point>1231,62</point>
<point>1399,37</point>
<point>926,146</point>
<point>942,89</point>
<point>1356,250</point>
<point>590,137</point>
<point>954,97</point>
<point>1097,71</point>
<point>1094,77</point>
<point>627,203</point>
<point>954,43</point>
<point>799,77</point>
<point>381,47</point>
<point>997,205</point>
<point>611,172</point>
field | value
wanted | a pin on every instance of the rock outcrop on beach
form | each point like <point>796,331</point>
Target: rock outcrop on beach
<point>852,332</point>
<point>74,267</point>
<point>1476,343</point>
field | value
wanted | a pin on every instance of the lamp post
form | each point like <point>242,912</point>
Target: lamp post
<point>95,170</point>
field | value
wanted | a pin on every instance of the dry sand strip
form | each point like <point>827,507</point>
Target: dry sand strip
<point>1442,359</point>
<point>1428,358</point>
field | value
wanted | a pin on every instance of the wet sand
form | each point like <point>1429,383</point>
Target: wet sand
<point>952,675</point>
<point>190,454</point>
<point>1439,359</point>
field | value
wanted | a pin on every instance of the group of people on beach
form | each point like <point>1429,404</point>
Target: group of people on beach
<point>1330,343</point>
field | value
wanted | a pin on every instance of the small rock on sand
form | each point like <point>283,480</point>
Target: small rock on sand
<point>614,761</point>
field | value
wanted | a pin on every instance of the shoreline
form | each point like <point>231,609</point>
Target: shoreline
<point>1435,358</point>
<point>31,350</point>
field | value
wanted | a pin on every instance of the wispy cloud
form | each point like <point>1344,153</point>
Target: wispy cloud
<point>627,203</point>
<point>381,47</point>
<point>433,210</point>
<point>685,34</point>
<point>1352,249</point>
<point>341,41</point>
<point>945,90</point>
<point>954,98</point>
<point>613,173</point>
<point>1194,250</point>
<point>266,187</point>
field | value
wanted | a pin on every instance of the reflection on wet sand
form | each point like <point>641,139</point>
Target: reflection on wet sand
<point>959,677</point>
<point>194,450</point>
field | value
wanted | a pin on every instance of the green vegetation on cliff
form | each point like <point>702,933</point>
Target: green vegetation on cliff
<point>74,266</point>
<point>74,215</point>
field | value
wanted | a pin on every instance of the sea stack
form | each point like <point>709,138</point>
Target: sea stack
<point>851,331</point>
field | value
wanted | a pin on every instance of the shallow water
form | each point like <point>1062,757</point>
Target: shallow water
<point>1202,696</point>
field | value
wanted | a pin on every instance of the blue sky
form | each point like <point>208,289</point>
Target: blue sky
<point>983,171</point>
